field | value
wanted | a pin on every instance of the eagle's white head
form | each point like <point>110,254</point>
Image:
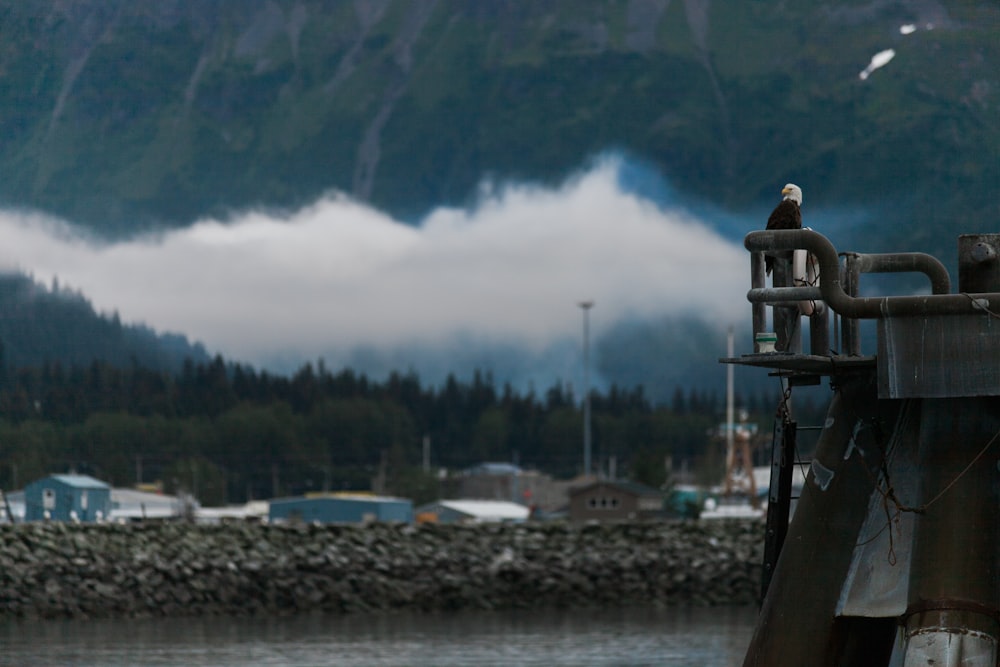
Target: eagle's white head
<point>793,192</point>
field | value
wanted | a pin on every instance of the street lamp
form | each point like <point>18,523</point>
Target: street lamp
<point>586,306</point>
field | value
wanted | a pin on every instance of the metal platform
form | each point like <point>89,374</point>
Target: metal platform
<point>809,364</point>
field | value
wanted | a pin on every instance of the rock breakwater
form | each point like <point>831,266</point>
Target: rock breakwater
<point>56,570</point>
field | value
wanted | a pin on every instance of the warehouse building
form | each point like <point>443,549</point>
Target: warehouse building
<point>341,508</point>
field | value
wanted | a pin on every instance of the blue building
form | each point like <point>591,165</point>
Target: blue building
<point>341,509</point>
<point>67,498</point>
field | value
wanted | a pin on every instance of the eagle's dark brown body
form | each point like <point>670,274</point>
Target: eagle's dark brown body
<point>786,215</point>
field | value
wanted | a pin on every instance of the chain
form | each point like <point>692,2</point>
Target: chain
<point>783,411</point>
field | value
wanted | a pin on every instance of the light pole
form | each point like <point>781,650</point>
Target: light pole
<point>586,306</point>
<point>730,451</point>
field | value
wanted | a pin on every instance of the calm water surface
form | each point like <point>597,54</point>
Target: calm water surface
<point>586,638</point>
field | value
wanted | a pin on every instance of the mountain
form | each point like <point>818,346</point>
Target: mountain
<point>124,115</point>
<point>130,116</point>
<point>41,325</point>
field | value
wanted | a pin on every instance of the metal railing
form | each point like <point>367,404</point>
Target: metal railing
<point>837,287</point>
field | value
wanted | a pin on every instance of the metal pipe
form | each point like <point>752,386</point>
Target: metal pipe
<point>730,407</point>
<point>866,307</point>
<point>586,306</point>
<point>757,279</point>
<point>851,328</point>
<point>787,321</point>
<point>907,262</point>
<point>785,296</point>
<point>819,330</point>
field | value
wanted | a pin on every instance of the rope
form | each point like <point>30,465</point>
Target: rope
<point>888,493</point>
<point>967,468</point>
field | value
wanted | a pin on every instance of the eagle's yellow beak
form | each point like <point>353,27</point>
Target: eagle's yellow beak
<point>785,191</point>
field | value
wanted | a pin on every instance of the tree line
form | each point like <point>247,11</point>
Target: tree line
<point>39,324</point>
<point>229,433</point>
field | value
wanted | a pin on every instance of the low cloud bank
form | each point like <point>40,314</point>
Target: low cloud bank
<point>338,276</point>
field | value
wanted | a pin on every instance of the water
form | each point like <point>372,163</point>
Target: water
<point>578,638</point>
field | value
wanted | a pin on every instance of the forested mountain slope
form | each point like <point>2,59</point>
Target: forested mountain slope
<point>54,325</point>
<point>122,114</point>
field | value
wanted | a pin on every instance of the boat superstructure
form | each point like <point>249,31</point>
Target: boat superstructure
<point>893,554</point>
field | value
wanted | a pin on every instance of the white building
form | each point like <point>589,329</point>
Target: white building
<point>134,505</point>
<point>473,511</point>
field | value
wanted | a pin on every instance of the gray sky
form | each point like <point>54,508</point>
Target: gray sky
<point>337,274</point>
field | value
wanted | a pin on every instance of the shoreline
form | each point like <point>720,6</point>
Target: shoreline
<point>57,570</point>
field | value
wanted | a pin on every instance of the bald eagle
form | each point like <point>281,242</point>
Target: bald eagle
<point>786,215</point>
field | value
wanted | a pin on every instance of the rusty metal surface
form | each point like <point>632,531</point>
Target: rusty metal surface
<point>898,528</point>
<point>798,624</point>
<point>939,357</point>
<point>979,262</point>
<point>877,583</point>
<point>955,542</point>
